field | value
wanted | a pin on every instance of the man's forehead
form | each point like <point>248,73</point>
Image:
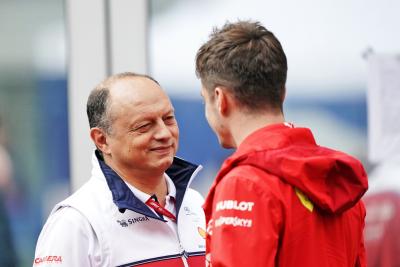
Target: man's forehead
<point>138,88</point>
<point>140,94</point>
<point>138,83</point>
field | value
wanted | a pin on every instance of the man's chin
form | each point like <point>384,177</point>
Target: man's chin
<point>165,163</point>
<point>226,145</point>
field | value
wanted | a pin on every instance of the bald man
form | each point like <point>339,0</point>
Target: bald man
<point>136,209</point>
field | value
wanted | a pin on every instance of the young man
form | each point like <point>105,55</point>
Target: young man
<point>137,209</point>
<point>280,199</point>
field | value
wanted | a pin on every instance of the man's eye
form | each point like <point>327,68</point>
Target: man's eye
<point>143,128</point>
<point>169,119</point>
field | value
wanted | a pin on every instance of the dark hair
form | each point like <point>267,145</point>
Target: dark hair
<point>97,107</point>
<point>249,60</point>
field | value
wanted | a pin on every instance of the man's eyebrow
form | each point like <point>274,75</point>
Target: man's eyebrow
<point>148,117</point>
<point>137,120</point>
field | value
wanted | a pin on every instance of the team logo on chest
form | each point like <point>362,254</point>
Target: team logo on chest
<point>126,223</point>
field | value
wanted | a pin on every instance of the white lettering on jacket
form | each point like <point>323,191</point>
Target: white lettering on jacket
<point>234,205</point>
<point>234,221</point>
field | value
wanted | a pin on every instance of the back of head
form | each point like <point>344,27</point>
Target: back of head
<point>249,60</point>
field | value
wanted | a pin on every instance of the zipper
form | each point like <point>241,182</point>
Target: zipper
<point>184,258</point>
<point>184,253</point>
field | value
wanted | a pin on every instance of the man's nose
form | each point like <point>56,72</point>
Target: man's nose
<point>162,131</point>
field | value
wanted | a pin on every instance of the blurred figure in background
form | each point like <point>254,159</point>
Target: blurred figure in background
<point>382,201</point>
<point>7,252</point>
<point>382,227</point>
<point>280,199</point>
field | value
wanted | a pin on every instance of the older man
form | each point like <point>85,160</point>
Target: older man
<point>137,209</point>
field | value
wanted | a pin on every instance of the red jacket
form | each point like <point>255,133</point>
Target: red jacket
<point>282,200</point>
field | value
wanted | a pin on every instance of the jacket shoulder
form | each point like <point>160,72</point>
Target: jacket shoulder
<point>195,196</point>
<point>252,175</point>
<point>85,197</point>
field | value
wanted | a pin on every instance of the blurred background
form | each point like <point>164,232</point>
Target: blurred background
<point>330,46</point>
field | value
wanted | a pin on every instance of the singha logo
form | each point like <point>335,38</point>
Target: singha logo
<point>122,223</point>
<point>128,222</point>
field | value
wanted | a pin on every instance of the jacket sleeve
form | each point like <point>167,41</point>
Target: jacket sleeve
<point>246,222</point>
<point>65,240</point>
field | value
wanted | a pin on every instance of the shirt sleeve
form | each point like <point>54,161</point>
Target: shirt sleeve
<point>67,239</point>
<point>246,223</point>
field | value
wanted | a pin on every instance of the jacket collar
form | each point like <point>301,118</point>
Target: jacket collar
<point>332,180</point>
<point>181,173</point>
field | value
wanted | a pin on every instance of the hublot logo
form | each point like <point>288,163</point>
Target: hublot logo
<point>126,223</point>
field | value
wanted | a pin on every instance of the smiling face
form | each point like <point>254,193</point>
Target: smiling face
<point>144,133</point>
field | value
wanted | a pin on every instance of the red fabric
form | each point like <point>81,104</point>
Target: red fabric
<point>159,209</point>
<point>255,218</point>
<point>176,262</point>
<point>193,261</point>
<point>382,229</point>
<point>196,261</point>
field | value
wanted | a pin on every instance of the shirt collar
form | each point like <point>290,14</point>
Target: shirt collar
<point>181,173</point>
<point>171,187</point>
<point>142,196</point>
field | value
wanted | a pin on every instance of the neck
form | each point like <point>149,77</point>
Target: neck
<point>149,183</point>
<point>155,185</point>
<point>244,124</point>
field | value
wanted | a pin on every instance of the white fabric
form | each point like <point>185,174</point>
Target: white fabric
<point>87,229</point>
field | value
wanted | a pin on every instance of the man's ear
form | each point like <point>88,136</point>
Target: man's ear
<point>223,100</point>
<point>99,138</point>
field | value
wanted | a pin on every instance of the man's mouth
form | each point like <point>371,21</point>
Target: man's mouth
<point>162,149</point>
